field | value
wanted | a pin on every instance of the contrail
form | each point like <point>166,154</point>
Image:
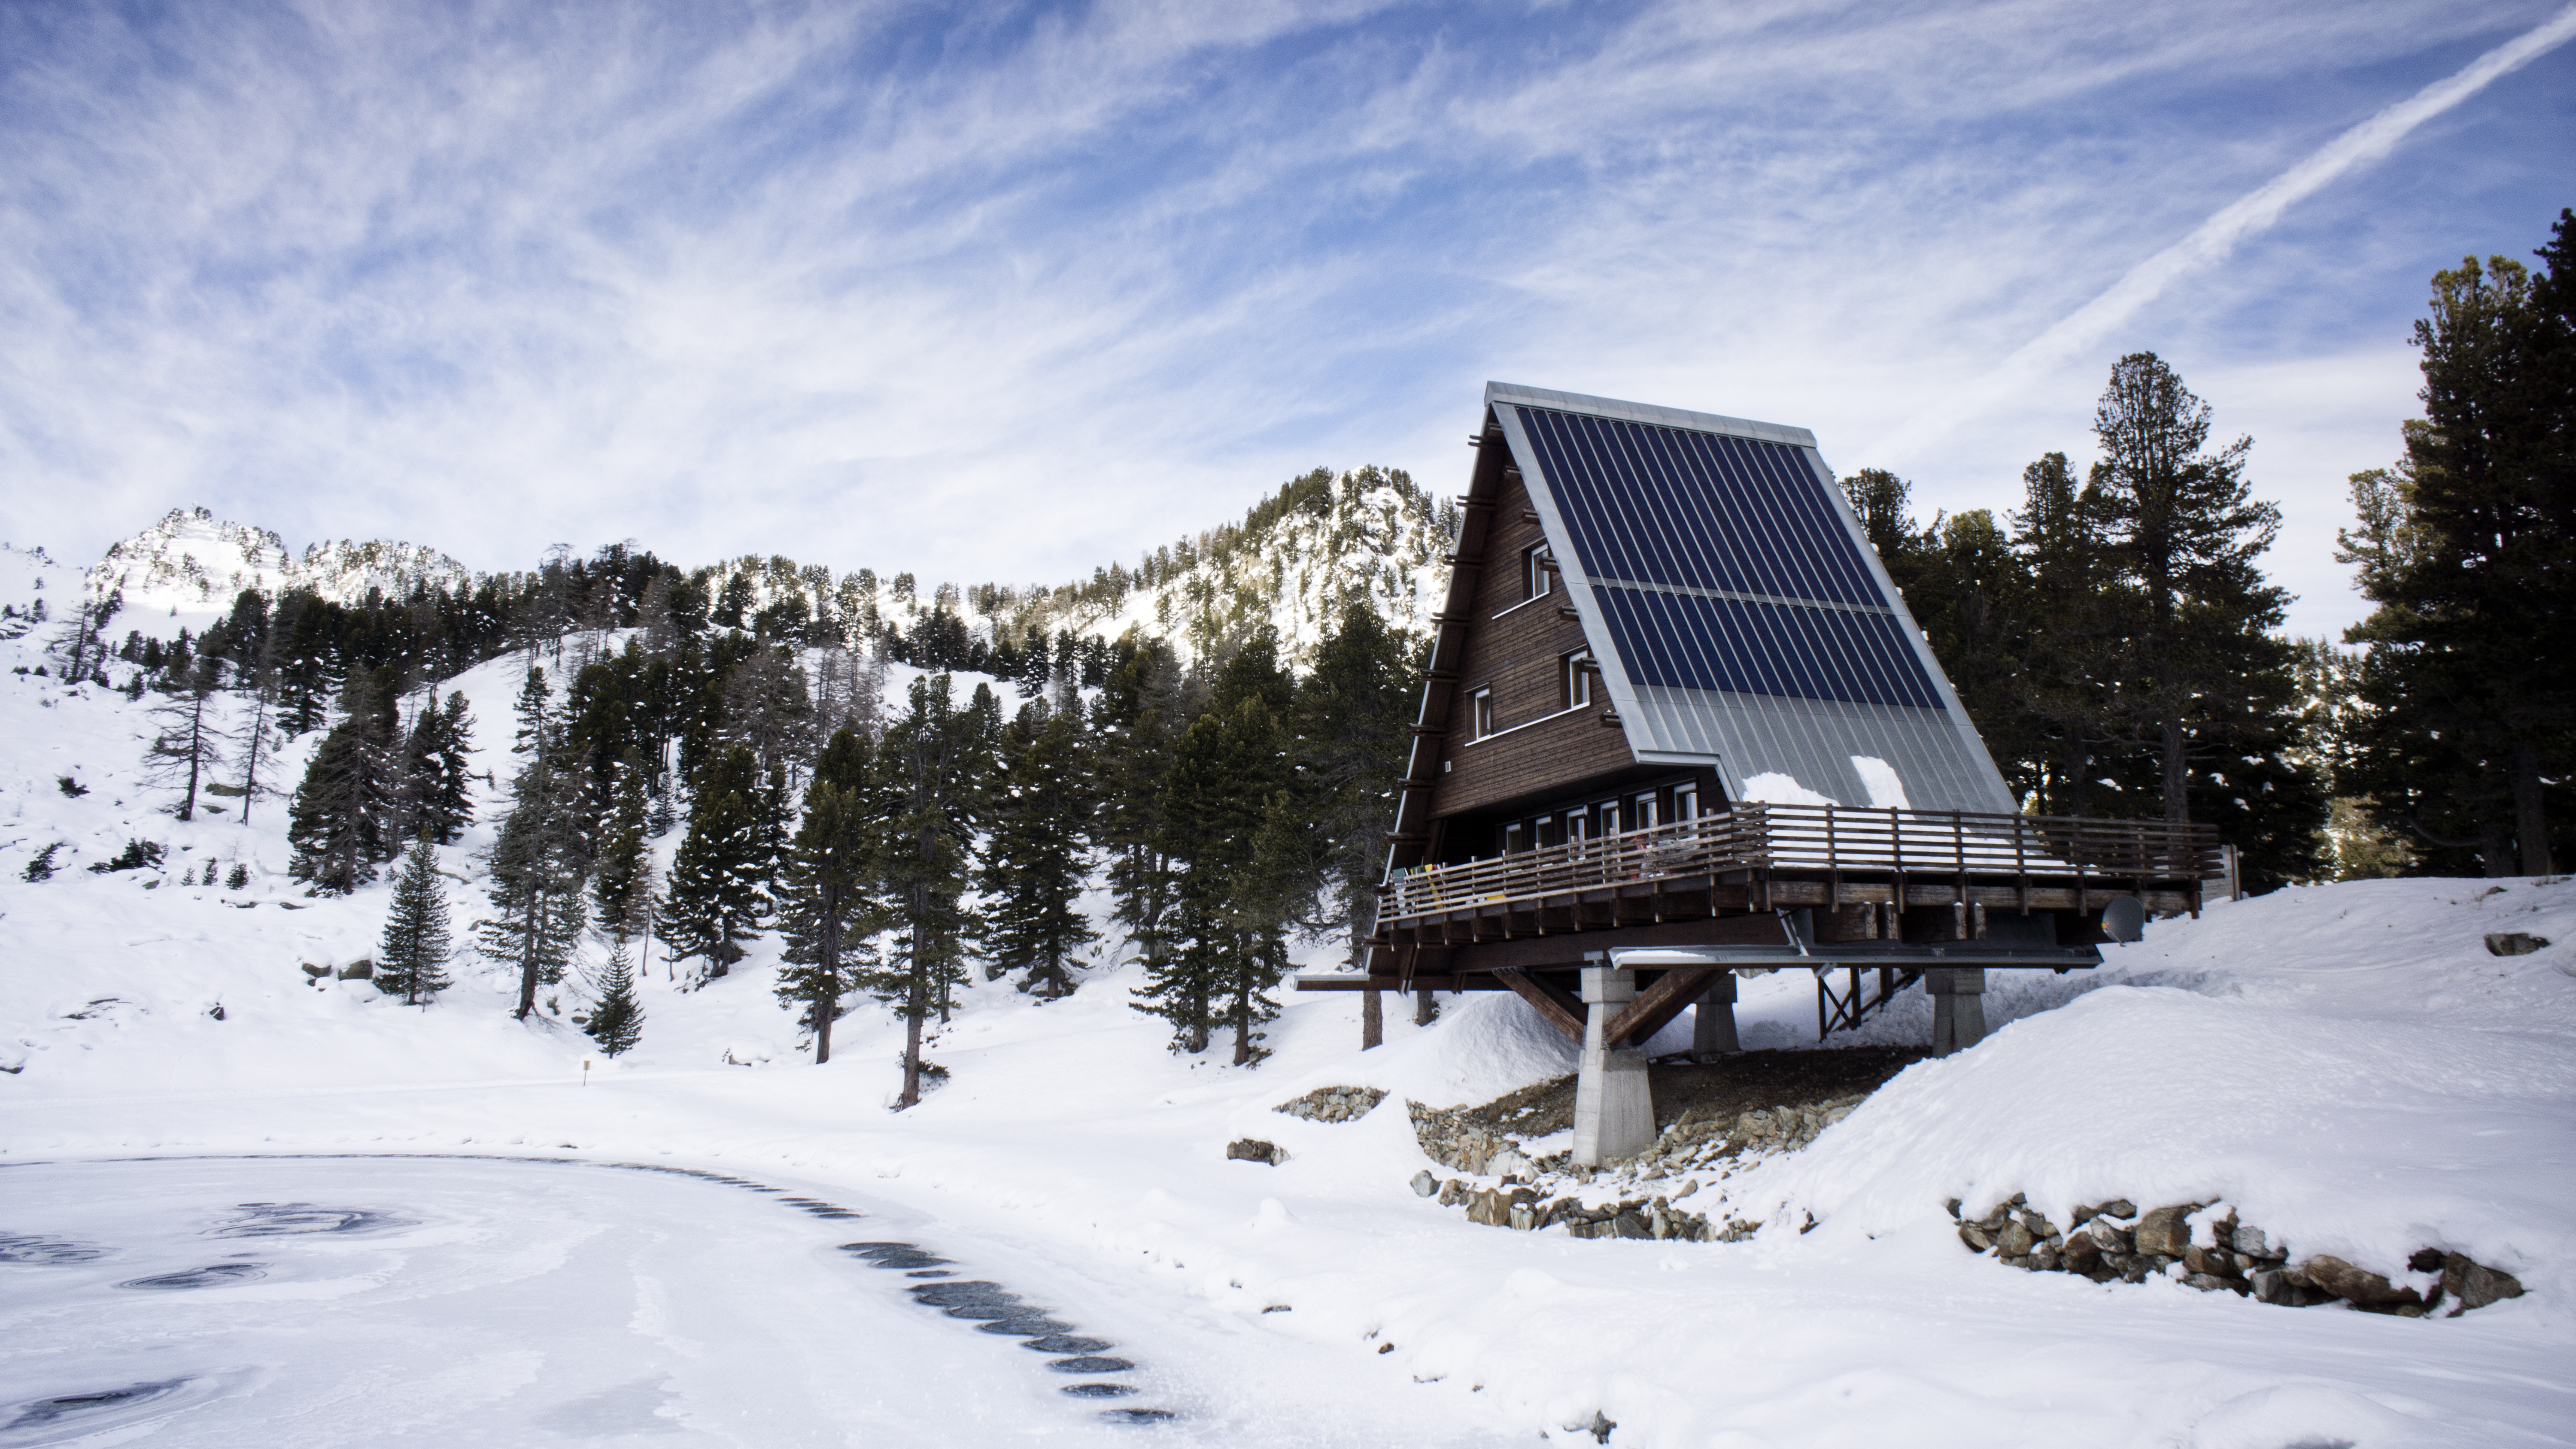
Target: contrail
<point>2218,236</point>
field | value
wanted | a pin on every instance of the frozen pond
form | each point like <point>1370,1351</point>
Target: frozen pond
<point>449,1301</point>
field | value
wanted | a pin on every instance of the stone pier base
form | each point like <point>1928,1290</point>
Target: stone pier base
<point>1614,1112</point>
<point>1958,1007</point>
<point>1713,1019</point>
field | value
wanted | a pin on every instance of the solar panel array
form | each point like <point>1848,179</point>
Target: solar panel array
<point>1721,564</point>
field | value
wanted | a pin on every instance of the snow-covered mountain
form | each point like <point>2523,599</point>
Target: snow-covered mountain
<point>192,564</point>
<point>1296,562</point>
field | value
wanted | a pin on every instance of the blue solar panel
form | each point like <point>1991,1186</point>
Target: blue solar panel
<point>1698,510</point>
<point>1694,517</point>
<point>1690,641</point>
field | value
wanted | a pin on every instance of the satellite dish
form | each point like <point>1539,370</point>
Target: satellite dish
<point>2124,919</point>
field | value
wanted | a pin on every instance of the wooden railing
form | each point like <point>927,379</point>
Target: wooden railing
<point>1814,839</point>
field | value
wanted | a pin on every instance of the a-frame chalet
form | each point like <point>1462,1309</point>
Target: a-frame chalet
<point>1678,724</point>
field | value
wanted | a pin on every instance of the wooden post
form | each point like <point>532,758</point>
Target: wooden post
<point>1372,1018</point>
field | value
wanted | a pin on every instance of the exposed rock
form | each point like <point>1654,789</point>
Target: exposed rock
<point>2357,1286</point>
<point>2514,943</point>
<point>2163,1232</point>
<point>2474,1285</point>
<point>1333,1104</point>
<point>358,971</point>
<point>2015,1240</point>
<point>1454,1192</point>
<point>316,972</point>
<point>1424,1184</point>
<point>1253,1149</point>
<point>2110,1236</point>
<point>2118,1207</point>
<point>1449,1139</point>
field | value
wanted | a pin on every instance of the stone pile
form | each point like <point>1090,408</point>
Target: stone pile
<point>1449,1139</point>
<point>1518,1205</point>
<point>2114,1241</point>
<point>1333,1104</point>
<point>1693,1143</point>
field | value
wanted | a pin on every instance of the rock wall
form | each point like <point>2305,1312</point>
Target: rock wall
<point>2214,1251</point>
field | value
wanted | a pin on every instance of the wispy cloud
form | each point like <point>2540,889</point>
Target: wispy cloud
<point>1003,297</point>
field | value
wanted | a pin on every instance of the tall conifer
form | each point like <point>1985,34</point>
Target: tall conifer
<point>412,955</point>
<point>715,899</point>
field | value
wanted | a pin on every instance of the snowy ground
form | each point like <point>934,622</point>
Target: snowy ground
<point>2346,1065</point>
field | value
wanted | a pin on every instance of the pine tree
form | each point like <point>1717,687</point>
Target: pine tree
<point>929,774</point>
<point>437,790</point>
<point>623,856</point>
<point>715,899</point>
<point>1350,748</point>
<point>256,748</point>
<point>829,903</point>
<point>187,744</point>
<point>617,1019</point>
<point>412,956</point>
<point>533,708</point>
<point>537,879</point>
<point>1227,782</point>
<point>1035,863</point>
<point>1143,709</point>
<point>2469,681</point>
<point>338,823</point>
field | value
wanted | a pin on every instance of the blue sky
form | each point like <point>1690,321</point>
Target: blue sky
<point>1006,296</point>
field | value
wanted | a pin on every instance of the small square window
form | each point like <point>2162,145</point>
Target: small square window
<point>1577,671</point>
<point>1538,572</point>
<point>1484,707</point>
<point>1641,813</point>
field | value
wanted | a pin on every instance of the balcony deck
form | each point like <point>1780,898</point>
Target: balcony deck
<point>1761,858</point>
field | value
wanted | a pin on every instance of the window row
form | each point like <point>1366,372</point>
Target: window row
<point>1598,819</point>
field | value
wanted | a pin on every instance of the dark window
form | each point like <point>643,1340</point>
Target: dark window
<point>1538,572</point>
<point>1484,707</point>
<point>1575,674</point>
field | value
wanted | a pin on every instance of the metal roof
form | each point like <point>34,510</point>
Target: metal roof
<point>1741,619</point>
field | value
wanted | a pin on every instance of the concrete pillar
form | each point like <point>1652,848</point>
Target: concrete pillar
<point>1614,1113</point>
<point>1713,1019</point>
<point>1958,1007</point>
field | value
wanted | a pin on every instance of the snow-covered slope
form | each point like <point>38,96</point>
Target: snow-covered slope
<point>1368,535</point>
<point>188,568</point>
<point>2344,1064</point>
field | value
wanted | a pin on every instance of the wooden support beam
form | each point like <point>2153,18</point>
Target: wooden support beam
<point>1658,1004</point>
<point>1562,1008</point>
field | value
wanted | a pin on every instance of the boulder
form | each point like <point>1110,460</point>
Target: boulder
<point>2514,943</point>
<point>2082,1253</point>
<point>2015,1240</point>
<point>1976,1237</point>
<point>358,971</point>
<point>316,972</point>
<point>2110,1236</point>
<point>2163,1232</point>
<point>1424,1184</point>
<point>1253,1149</point>
<point>2118,1207</point>
<point>2358,1286</point>
<point>2475,1285</point>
